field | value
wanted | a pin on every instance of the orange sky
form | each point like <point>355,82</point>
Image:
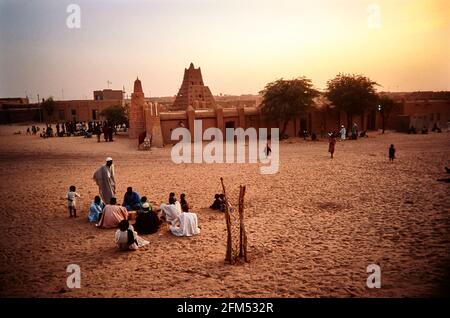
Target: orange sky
<point>240,45</point>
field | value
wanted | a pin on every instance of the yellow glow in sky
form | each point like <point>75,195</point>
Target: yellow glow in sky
<point>240,45</point>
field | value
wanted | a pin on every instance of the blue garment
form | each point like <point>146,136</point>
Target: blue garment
<point>94,211</point>
<point>132,201</point>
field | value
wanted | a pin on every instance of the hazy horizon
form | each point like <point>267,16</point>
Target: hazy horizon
<point>239,46</point>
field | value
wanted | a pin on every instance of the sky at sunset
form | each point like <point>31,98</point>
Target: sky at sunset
<point>240,45</point>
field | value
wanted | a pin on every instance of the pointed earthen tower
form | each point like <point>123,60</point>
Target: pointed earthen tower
<point>137,119</point>
<point>193,91</point>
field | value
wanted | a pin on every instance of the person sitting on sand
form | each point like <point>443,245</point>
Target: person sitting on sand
<point>112,215</point>
<point>447,169</point>
<point>436,128</point>
<point>170,211</point>
<point>184,204</point>
<point>412,130</point>
<point>363,134</point>
<point>95,210</point>
<point>147,221</point>
<point>178,205</point>
<point>131,200</point>
<point>143,200</point>
<point>391,153</point>
<point>187,225</point>
<point>217,202</point>
<point>127,239</point>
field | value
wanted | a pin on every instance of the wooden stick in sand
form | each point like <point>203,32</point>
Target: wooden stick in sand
<point>228,257</point>
<point>243,234</point>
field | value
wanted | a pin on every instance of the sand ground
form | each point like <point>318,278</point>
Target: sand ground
<point>313,228</point>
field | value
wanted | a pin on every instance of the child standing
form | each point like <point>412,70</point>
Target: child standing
<point>391,153</point>
<point>71,201</point>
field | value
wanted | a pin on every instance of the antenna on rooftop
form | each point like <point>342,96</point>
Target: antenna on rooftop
<point>108,82</point>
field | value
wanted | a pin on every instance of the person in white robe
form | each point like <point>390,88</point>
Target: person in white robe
<point>187,225</point>
<point>343,132</point>
<point>126,237</point>
<point>105,179</point>
<point>171,211</point>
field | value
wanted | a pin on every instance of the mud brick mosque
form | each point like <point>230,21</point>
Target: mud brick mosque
<point>157,117</point>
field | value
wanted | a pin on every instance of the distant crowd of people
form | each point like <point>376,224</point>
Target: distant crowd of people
<point>424,130</point>
<point>342,135</point>
<point>72,128</point>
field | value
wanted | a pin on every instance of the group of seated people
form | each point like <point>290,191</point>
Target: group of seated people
<point>424,130</point>
<point>436,128</point>
<point>47,132</point>
<point>219,202</point>
<point>181,221</point>
<point>175,214</point>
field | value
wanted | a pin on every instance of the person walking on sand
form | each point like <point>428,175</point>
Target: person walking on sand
<point>105,131</point>
<point>343,132</point>
<point>105,179</point>
<point>331,144</point>
<point>110,132</point>
<point>354,131</point>
<point>391,153</point>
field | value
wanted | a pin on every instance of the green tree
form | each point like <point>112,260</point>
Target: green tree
<point>352,94</point>
<point>49,106</point>
<point>386,106</point>
<point>115,115</point>
<point>283,100</point>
